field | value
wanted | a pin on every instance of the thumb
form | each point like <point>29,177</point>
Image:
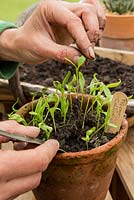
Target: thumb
<point>47,151</point>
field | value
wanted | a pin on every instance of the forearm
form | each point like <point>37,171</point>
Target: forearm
<point>7,45</point>
<point>8,64</point>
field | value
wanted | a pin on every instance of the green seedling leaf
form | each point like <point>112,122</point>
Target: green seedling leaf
<point>107,93</point>
<point>13,107</point>
<point>82,86</point>
<point>113,85</point>
<point>64,82</point>
<point>107,116</point>
<point>95,78</point>
<point>18,118</point>
<point>47,129</point>
<point>105,113</point>
<point>37,114</point>
<point>44,90</point>
<point>93,87</point>
<point>112,125</point>
<point>65,105</point>
<point>70,86</point>
<point>33,113</point>
<point>54,98</point>
<point>33,94</point>
<point>90,131</point>
<point>81,82</point>
<point>85,139</point>
<point>130,97</point>
<point>39,105</point>
<point>81,61</point>
<point>88,136</point>
<point>57,85</point>
<point>106,101</point>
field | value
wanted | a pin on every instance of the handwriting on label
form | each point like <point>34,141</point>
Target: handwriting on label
<point>118,108</point>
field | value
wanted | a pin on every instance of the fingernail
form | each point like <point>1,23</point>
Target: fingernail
<point>53,142</point>
<point>91,52</point>
<point>34,130</point>
<point>75,59</point>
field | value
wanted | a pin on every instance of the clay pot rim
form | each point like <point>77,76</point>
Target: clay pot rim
<point>110,15</point>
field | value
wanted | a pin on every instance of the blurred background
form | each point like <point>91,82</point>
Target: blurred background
<point>10,9</point>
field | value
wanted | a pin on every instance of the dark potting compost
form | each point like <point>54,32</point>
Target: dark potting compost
<point>107,71</point>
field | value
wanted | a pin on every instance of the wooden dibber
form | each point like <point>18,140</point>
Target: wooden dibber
<point>118,108</point>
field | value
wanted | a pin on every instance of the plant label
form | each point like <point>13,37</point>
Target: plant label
<point>118,108</point>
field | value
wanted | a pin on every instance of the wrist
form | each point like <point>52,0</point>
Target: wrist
<point>7,45</point>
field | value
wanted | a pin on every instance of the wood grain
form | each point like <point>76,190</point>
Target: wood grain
<point>108,197</point>
<point>126,57</point>
<point>125,164</point>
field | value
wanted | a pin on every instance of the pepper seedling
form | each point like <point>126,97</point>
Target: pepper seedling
<point>89,133</point>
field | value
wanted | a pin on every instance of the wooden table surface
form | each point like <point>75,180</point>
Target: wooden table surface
<point>125,164</point>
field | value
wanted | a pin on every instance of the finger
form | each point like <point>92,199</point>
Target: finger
<point>18,146</point>
<point>12,126</point>
<point>73,24</point>
<point>19,186</point>
<point>91,23</point>
<point>100,12</point>
<point>59,52</point>
<point>24,163</point>
<point>4,139</point>
<point>87,13</point>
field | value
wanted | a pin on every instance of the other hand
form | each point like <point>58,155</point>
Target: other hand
<point>21,171</point>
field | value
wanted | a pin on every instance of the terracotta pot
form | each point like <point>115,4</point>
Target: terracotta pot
<point>80,175</point>
<point>119,32</point>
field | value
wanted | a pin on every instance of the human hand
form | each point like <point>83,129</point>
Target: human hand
<point>50,29</point>
<point>20,171</point>
<point>100,14</point>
